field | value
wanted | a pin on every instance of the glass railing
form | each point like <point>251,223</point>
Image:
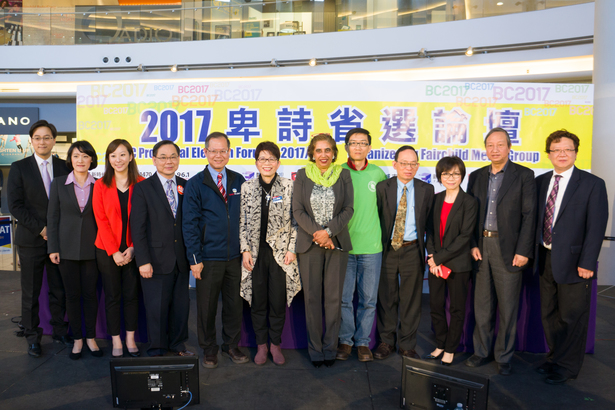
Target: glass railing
<point>46,22</point>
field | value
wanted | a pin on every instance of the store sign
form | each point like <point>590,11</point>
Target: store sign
<point>17,120</point>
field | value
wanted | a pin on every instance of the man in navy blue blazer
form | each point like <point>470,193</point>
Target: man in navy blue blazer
<point>572,218</point>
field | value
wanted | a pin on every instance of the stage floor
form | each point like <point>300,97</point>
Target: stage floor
<point>53,381</point>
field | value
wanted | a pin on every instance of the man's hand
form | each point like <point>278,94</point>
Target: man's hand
<point>44,233</point>
<point>476,254</point>
<point>320,236</point>
<point>196,270</point>
<point>289,258</point>
<point>119,259</point>
<point>146,271</point>
<point>55,258</point>
<point>519,261</point>
<point>247,261</point>
<point>584,273</point>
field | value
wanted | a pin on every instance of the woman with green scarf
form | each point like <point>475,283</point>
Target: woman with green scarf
<point>323,201</point>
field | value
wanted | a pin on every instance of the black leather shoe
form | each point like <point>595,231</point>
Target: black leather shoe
<point>317,363</point>
<point>558,379</point>
<point>34,350</point>
<point>476,361</point>
<point>329,362</point>
<point>136,353</point>
<point>505,369</point>
<point>74,356</point>
<point>443,363</point>
<point>97,353</point>
<point>546,368</point>
<point>432,357</point>
<point>65,340</point>
<point>410,353</point>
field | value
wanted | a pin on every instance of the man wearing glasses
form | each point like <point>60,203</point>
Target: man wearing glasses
<point>211,233</point>
<point>502,245</point>
<point>365,259</point>
<point>572,219</point>
<point>155,224</point>
<point>404,204</point>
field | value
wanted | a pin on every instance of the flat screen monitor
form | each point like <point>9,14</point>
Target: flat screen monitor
<point>154,382</point>
<point>429,385</point>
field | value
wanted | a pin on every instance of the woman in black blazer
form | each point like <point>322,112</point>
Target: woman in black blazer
<point>449,230</point>
<point>323,200</point>
<point>71,231</point>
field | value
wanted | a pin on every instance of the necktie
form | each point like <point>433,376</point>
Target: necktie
<point>171,197</point>
<point>549,212</point>
<point>46,177</point>
<point>400,222</point>
<point>221,187</point>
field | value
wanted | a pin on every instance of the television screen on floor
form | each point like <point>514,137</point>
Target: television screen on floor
<point>429,385</point>
<point>154,382</point>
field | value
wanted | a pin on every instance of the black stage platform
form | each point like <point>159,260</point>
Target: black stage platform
<point>53,381</point>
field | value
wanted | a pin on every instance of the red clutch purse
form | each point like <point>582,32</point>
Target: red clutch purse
<point>445,272</point>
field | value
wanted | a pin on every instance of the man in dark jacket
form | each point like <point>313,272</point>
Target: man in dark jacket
<point>211,233</point>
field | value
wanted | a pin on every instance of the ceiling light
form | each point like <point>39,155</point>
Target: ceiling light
<point>174,68</point>
<point>41,71</point>
<point>312,62</point>
<point>499,3</point>
<point>470,51</point>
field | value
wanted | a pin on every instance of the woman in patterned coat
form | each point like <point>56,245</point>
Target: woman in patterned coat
<point>270,274</point>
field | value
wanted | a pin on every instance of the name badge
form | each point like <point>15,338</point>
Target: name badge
<point>277,199</point>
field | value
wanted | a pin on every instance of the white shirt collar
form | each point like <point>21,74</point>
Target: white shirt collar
<point>40,160</point>
<point>566,174</point>
<point>163,180</point>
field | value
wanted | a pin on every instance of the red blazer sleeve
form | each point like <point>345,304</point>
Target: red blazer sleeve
<point>107,217</point>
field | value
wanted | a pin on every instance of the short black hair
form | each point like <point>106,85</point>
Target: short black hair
<point>86,148</point>
<point>447,164</point>
<point>267,146</point>
<point>498,129</point>
<point>404,148</point>
<point>357,131</point>
<point>217,134</point>
<point>43,123</point>
<point>162,144</point>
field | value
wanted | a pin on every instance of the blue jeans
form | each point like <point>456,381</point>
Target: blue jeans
<point>363,273</point>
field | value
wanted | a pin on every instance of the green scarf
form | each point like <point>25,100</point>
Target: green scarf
<point>327,179</point>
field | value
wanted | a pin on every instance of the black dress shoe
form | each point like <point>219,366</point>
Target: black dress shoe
<point>558,379</point>
<point>432,357</point>
<point>443,363</point>
<point>317,363</point>
<point>34,350</point>
<point>134,354</point>
<point>97,353</point>
<point>65,340</point>
<point>476,361</point>
<point>505,369</point>
<point>74,356</point>
<point>329,362</point>
<point>546,368</point>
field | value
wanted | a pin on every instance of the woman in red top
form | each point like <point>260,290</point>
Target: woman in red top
<point>449,231</point>
<point>114,250</point>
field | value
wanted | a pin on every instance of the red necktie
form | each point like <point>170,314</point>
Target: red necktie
<point>221,188</point>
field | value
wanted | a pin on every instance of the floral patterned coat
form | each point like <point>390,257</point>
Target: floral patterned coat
<point>281,232</point>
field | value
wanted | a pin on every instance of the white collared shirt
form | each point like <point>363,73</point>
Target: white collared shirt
<point>563,183</point>
<point>39,163</point>
<point>163,181</point>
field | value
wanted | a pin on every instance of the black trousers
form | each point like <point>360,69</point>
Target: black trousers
<point>565,317</point>
<point>448,335</point>
<point>119,282</point>
<point>323,272</point>
<point>399,296</point>
<point>167,306</point>
<point>216,277</point>
<point>268,293</point>
<point>33,261</point>
<point>80,279</point>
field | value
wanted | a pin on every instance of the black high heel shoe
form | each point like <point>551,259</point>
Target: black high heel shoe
<point>74,356</point>
<point>96,353</point>
<point>443,363</point>
<point>432,357</point>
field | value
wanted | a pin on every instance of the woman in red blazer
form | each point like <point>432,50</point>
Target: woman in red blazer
<point>114,250</point>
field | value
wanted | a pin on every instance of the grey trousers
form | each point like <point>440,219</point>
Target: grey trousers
<point>495,286</point>
<point>323,269</point>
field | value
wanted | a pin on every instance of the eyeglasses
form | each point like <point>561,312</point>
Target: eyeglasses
<point>218,152</point>
<point>39,139</point>
<point>566,151</point>
<point>172,158</point>
<point>454,175</point>
<point>267,160</point>
<point>412,165</point>
<point>361,144</point>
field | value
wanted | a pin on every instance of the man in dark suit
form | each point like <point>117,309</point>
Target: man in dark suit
<point>155,223</point>
<point>502,245</point>
<point>572,219</point>
<point>28,196</point>
<point>404,204</point>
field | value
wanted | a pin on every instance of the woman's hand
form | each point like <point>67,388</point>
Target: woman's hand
<point>328,244</point>
<point>248,262</point>
<point>119,259</point>
<point>55,257</point>
<point>430,261</point>
<point>289,258</point>
<point>320,237</point>
<point>128,255</point>
<point>436,270</point>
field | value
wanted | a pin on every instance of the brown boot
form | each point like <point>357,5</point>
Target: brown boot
<point>365,355</point>
<point>343,351</point>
